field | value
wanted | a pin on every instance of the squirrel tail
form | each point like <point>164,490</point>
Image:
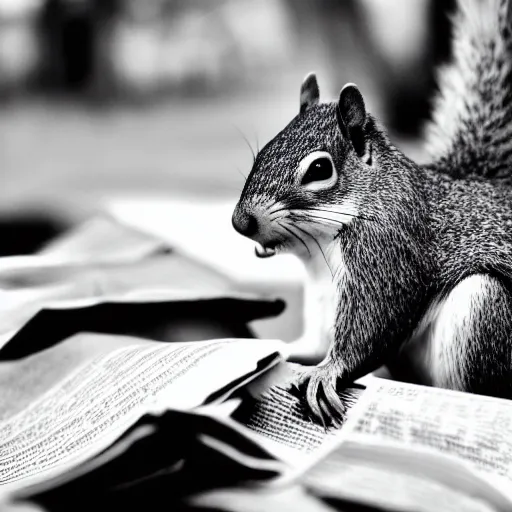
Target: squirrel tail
<point>471,128</point>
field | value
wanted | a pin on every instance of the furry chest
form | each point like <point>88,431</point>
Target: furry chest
<point>326,274</point>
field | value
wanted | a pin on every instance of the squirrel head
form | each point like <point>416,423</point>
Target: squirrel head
<point>309,181</point>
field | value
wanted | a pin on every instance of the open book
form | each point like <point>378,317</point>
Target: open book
<point>403,447</point>
<point>79,414</point>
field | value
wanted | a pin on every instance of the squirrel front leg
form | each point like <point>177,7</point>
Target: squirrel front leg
<point>379,303</point>
<point>465,347</point>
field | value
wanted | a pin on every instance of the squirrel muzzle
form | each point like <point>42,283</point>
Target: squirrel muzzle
<point>245,223</point>
<point>248,224</point>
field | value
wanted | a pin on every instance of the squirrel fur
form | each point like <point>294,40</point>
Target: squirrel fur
<point>412,264</point>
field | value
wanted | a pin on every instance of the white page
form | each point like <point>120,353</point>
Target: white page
<point>414,432</point>
<point>476,429</point>
<point>88,410</point>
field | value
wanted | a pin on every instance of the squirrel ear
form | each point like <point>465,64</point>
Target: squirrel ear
<point>351,114</point>
<point>309,92</point>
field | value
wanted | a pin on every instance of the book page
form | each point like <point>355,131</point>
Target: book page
<point>420,434</point>
<point>209,428</point>
<point>90,408</point>
<point>356,479</point>
<point>476,429</point>
<point>282,424</point>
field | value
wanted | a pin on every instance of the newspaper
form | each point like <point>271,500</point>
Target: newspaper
<point>402,447</point>
<point>77,414</point>
<point>85,412</point>
<point>437,449</point>
<point>100,239</point>
<point>195,434</point>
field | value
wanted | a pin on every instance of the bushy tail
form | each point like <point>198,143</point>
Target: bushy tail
<point>471,128</point>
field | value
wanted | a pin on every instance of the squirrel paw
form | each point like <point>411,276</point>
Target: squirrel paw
<point>318,387</point>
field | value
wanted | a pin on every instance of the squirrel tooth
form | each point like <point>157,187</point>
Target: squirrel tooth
<point>264,252</point>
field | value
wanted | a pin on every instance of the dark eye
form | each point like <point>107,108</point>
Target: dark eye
<point>319,170</point>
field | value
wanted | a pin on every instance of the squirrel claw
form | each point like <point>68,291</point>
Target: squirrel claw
<point>319,389</point>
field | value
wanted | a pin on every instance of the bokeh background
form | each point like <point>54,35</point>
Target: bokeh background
<point>101,98</point>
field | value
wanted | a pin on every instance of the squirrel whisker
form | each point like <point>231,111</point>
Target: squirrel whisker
<point>247,142</point>
<point>306,210</point>
<point>333,221</point>
<point>272,212</point>
<point>296,236</point>
<point>319,246</point>
<point>241,173</point>
<point>274,217</point>
<point>336,212</point>
<point>335,274</point>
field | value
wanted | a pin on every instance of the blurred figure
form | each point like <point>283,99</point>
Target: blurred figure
<point>19,45</point>
<point>71,31</point>
<point>140,48</point>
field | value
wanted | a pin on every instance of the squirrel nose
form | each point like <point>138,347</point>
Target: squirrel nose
<point>245,223</point>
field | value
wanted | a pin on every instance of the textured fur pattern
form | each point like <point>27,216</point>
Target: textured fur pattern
<point>412,239</point>
<point>471,129</point>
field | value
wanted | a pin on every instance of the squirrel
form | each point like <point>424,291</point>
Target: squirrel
<point>411,264</point>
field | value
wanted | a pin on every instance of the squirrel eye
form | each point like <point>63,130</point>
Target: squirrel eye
<point>319,170</point>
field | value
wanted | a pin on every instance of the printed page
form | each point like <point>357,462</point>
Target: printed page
<point>212,428</point>
<point>473,428</point>
<point>282,424</point>
<point>88,410</point>
<point>419,434</point>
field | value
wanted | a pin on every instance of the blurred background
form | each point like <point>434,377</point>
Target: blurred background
<point>101,98</point>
